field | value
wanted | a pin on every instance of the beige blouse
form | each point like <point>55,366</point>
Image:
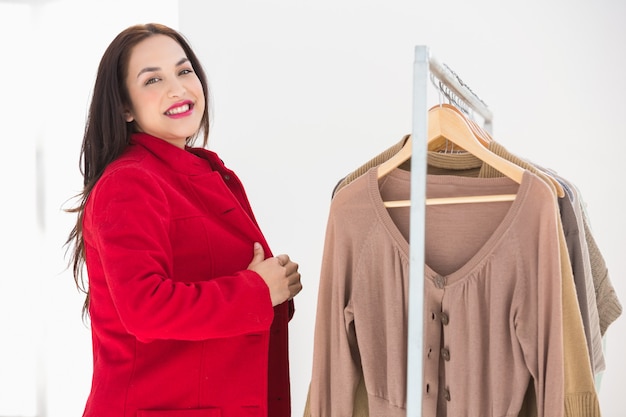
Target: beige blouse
<point>492,300</point>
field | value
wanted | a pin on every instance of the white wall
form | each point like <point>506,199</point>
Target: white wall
<point>19,244</point>
<point>304,92</point>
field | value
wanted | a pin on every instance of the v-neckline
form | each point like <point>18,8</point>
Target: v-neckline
<point>484,250</point>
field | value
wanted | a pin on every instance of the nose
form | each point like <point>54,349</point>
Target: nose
<point>176,88</point>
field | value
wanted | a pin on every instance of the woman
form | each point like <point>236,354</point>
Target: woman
<point>188,308</point>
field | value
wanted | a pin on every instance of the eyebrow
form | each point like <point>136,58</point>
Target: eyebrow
<point>152,69</point>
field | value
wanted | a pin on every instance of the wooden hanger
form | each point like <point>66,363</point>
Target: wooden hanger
<point>403,155</point>
<point>448,124</point>
<point>485,138</point>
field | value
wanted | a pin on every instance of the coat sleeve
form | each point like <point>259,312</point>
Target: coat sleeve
<point>129,255</point>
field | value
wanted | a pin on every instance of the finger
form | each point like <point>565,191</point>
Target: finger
<point>294,288</point>
<point>258,255</point>
<point>293,278</point>
<point>291,267</point>
<point>282,259</point>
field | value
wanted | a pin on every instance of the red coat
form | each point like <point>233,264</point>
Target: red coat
<point>180,327</point>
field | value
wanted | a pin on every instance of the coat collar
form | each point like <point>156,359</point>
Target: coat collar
<point>191,161</point>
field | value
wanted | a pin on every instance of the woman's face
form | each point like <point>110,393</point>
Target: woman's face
<point>166,96</point>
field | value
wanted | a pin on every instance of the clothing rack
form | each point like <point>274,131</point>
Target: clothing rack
<point>425,67</point>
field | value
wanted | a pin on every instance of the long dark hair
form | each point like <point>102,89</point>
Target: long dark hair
<point>107,134</point>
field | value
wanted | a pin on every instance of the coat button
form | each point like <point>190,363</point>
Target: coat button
<point>445,354</point>
<point>444,318</point>
<point>440,282</point>
<point>226,177</point>
<point>446,394</point>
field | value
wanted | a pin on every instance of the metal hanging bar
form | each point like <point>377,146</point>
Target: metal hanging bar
<point>452,81</point>
<point>425,66</point>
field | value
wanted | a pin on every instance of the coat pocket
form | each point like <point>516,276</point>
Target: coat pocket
<point>251,411</point>
<point>196,412</point>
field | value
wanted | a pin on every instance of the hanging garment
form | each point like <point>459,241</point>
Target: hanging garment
<point>578,251</point>
<point>580,394</point>
<point>572,220</point>
<point>609,306</point>
<point>361,321</point>
<point>607,303</point>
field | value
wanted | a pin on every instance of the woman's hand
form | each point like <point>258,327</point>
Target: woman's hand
<point>279,273</point>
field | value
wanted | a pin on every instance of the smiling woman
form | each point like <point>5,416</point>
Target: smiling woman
<point>189,310</point>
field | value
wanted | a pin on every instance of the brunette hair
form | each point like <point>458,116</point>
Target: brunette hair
<point>107,133</point>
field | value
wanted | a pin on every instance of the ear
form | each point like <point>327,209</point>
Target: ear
<point>128,116</point>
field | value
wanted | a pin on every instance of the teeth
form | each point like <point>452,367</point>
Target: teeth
<point>179,110</point>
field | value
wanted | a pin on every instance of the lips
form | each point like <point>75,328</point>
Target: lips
<point>179,108</point>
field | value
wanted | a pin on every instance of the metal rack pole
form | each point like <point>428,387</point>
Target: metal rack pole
<point>423,63</point>
<point>416,233</point>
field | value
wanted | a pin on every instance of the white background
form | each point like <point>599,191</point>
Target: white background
<point>303,93</point>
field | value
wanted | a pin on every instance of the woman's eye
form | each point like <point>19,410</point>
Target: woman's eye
<point>186,71</point>
<point>152,80</point>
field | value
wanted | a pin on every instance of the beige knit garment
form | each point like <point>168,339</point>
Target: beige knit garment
<point>491,280</point>
<point>580,394</point>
